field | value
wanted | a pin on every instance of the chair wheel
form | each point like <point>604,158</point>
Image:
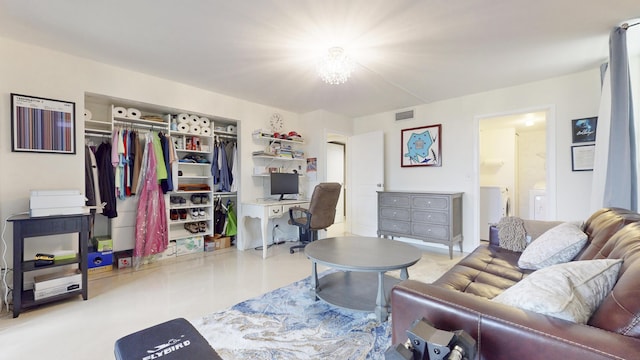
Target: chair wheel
<point>291,251</point>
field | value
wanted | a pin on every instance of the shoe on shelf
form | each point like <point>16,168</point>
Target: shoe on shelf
<point>196,199</point>
<point>194,213</point>
<point>204,199</point>
<point>193,228</point>
<point>183,214</point>
<point>174,199</point>
<point>173,214</point>
<point>201,212</point>
<point>202,226</point>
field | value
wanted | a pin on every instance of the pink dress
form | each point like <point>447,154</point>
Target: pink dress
<point>151,221</point>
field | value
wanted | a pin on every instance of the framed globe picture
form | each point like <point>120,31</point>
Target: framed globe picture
<point>421,146</point>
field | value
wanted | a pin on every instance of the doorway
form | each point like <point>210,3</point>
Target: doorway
<point>515,152</point>
<point>336,172</point>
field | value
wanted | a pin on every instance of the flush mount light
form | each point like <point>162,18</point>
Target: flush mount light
<point>335,67</point>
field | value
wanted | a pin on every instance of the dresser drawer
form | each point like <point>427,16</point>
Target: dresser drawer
<point>430,202</point>
<point>432,217</point>
<point>431,231</point>
<point>391,199</point>
<point>395,213</point>
<point>400,227</point>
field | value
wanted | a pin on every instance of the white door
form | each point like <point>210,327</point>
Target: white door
<point>335,173</point>
<point>365,164</point>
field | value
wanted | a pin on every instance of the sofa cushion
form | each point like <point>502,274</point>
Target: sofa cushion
<point>556,245</point>
<point>486,272</point>
<point>570,291</point>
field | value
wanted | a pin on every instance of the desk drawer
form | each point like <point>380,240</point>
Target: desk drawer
<point>401,227</point>
<point>394,213</point>
<point>431,231</point>
<point>275,211</point>
<point>432,217</point>
<point>430,202</point>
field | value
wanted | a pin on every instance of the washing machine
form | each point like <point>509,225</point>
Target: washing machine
<point>494,205</point>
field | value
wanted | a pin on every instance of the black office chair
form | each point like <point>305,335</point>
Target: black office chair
<point>319,216</point>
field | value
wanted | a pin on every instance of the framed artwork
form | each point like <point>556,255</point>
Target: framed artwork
<point>584,130</point>
<point>582,157</point>
<point>421,146</point>
<point>42,125</point>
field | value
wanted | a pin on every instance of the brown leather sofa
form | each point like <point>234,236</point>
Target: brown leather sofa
<point>460,299</point>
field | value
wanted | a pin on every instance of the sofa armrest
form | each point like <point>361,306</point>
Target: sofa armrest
<point>501,331</point>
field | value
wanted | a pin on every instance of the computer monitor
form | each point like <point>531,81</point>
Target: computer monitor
<point>283,184</point>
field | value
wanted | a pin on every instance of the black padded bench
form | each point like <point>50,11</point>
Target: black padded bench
<point>175,339</point>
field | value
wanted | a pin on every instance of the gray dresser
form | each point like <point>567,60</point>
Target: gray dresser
<point>427,216</point>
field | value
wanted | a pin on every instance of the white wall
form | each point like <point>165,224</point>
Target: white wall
<point>45,73</point>
<point>573,96</point>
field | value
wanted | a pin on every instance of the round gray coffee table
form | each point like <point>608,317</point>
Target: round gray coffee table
<point>364,261</point>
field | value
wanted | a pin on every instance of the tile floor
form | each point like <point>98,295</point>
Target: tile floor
<point>127,301</point>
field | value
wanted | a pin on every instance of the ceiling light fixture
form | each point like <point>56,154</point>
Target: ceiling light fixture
<point>335,67</point>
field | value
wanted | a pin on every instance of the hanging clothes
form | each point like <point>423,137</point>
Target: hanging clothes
<point>166,184</point>
<point>91,180</point>
<point>225,175</point>
<point>106,179</point>
<point>235,169</point>
<point>137,164</point>
<point>220,216</point>
<point>231,225</point>
<point>215,169</point>
<point>151,222</point>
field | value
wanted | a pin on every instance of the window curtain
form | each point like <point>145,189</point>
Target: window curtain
<point>615,180</point>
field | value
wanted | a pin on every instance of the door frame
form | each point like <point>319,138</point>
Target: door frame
<point>325,168</point>
<point>550,129</point>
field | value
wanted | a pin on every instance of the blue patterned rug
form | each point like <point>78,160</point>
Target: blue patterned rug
<point>288,324</point>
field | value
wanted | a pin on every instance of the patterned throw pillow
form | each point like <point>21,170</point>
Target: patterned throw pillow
<point>570,291</point>
<point>555,246</point>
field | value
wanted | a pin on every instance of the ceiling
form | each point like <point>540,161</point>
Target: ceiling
<point>407,52</point>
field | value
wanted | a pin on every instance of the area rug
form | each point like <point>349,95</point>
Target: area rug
<point>288,323</point>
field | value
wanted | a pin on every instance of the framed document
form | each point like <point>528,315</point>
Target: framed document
<point>582,157</point>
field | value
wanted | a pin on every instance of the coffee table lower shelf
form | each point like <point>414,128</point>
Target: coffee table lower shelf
<point>353,290</point>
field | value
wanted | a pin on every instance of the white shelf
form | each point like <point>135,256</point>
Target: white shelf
<point>280,158</point>
<point>271,139</point>
<point>183,234</point>
<point>189,134</point>
<point>148,123</point>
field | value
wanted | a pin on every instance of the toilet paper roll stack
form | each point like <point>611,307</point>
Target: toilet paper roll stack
<point>184,127</point>
<point>182,118</point>
<point>120,111</point>
<point>87,114</point>
<point>205,131</point>
<point>133,113</point>
<point>194,129</point>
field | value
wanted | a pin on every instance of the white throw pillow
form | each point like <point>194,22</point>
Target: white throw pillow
<point>570,291</point>
<point>556,245</point>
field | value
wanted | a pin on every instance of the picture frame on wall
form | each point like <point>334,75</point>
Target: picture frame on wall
<point>584,130</point>
<point>421,146</point>
<point>42,125</point>
<point>582,157</point>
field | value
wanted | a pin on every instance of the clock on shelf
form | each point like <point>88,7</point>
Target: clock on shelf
<point>276,123</point>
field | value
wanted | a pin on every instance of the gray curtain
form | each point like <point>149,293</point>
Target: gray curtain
<point>621,184</point>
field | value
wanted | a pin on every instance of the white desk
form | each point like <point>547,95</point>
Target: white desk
<point>267,210</point>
